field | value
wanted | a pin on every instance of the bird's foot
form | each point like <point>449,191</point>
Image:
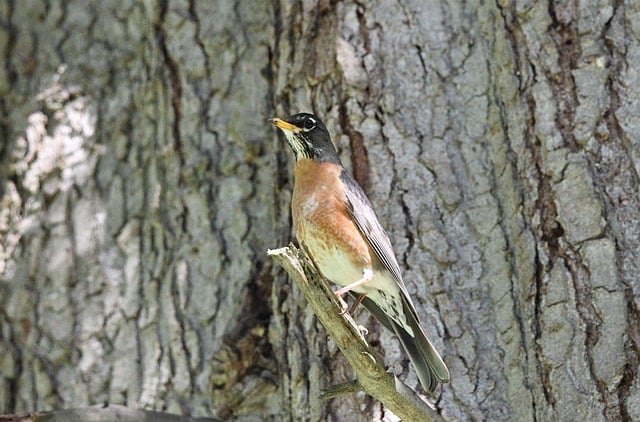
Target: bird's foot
<point>363,330</point>
<point>343,304</point>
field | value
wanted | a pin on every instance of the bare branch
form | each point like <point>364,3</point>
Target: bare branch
<point>368,367</point>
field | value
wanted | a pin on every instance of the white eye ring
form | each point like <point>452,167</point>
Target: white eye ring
<point>309,124</point>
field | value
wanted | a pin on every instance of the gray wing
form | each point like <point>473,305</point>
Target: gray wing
<point>429,366</point>
<point>361,211</point>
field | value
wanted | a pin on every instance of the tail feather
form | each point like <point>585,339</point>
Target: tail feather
<point>429,366</point>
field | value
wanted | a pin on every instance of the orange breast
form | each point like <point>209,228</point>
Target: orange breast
<point>323,225</point>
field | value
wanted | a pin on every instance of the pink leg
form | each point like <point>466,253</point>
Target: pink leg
<point>367,276</point>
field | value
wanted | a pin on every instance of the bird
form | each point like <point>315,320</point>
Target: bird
<point>336,225</point>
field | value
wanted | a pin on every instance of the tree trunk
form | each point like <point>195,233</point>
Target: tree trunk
<point>141,186</point>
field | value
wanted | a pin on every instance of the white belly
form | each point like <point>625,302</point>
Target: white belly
<point>337,267</point>
<point>333,263</point>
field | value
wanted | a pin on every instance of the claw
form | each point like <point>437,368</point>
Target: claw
<point>343,304</point>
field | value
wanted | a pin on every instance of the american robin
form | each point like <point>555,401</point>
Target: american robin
<point>335,223</point>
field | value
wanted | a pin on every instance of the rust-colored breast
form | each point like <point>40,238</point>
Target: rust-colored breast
<point>322,223</point>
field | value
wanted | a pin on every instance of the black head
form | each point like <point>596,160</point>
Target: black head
<point>308,137</point>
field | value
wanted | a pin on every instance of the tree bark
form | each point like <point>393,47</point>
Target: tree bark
<point>141,185</point>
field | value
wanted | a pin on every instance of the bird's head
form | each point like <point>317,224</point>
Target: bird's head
<point>308,137</point>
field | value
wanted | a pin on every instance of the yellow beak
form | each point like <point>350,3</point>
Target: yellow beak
<point>284,125</point>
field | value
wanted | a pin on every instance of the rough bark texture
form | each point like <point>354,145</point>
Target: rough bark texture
<point>141,186</point>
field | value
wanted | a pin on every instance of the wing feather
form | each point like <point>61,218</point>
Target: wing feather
<point>429,366</point>
<point>361,212</point>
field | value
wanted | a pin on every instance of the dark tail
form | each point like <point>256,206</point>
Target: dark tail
<point>429,366</point>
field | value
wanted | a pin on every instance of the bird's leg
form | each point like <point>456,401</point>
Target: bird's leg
<point>367,276</point>
<point>356,303</point>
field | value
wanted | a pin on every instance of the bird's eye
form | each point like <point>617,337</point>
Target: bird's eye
<point>309,124</point>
